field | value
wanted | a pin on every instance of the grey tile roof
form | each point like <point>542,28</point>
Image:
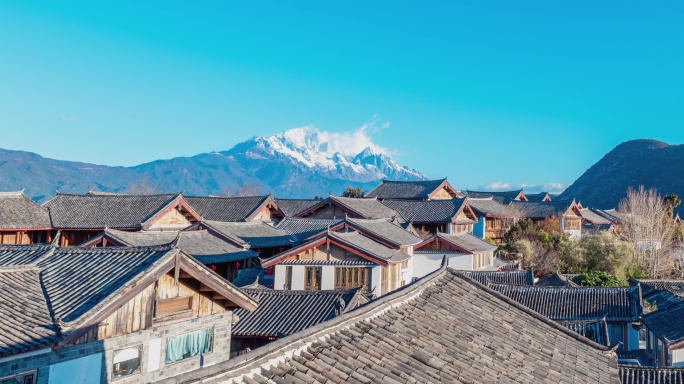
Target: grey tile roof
<point>255,234</point>
<point>443,328</point>
<point>429,211</point>
<point>19,212</point>
<point>77,279</point>
<point>282,313</point>
<point>537,197</point>
<point>98,211</point>
<point>202,245</point>
<point>23,254</point>
<point>596,331</point>
<point>368,208</point>
<point>661,323</point>
<point>216,208</point>
<point>523,277</point>
<point>467,242</point>
<point>593,217</point>
<point>385,230</point>
<point>616,304</point>
<point>390,189</point>
<point>252,278</point>
<point>328,262</point>
<point>369,246</point>
<point>25,323</point>
<point>293,207</point>
<point>541,210</point>
<point>305,229</point>
<point>490,207</point>
<point>630,374</point>
<point>503,197</point>
<point>556,280</point>
<point>649,286</point>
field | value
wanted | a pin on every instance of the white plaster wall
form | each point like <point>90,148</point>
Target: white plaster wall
<point>426,263</point>
<point>327,277</point>
<point>376,276</point>
<point>297,277</point>
<point>407,273</point>
<point>678,358</point>
<point>279,277</point>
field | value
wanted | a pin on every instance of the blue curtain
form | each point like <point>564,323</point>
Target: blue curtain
<point>188,345</point>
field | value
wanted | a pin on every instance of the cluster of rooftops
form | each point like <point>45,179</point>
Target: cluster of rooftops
<point>433,304</point>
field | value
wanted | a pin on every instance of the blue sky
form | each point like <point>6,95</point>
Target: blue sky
<point>512,92</point>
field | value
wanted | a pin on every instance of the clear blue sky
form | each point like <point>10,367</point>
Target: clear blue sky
<point>517,92</point>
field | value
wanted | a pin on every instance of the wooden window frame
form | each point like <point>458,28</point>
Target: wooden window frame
<point>176,301</point>
<point>288,278</point>
<point>315,273</point>
<point>351,277</point>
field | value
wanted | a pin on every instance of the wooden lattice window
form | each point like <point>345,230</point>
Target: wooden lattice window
<point>347,278</point>
<point>312,278</point>
<point>288,278</point>
<point>171,306</point>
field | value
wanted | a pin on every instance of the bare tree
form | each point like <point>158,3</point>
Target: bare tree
<point>648,226</point>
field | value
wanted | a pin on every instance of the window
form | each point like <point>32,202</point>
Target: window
<point>21,378</point>
<point>188,345</point>
<point>126,361</point>
<point>347,278</point>
<point>312,278</point>
<point>288,278</point>
<point>384,288</point>
<point>173,306</point>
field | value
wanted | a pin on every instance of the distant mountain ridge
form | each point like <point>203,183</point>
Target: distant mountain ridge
<point>651,163</point>
<point>301,162</point>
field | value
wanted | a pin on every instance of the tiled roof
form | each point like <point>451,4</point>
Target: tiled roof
<point>293,207</point>
<point>304,229</point>
<point>523,277</point>
<point>467,241</point>
<point>19,212</point>
<point>253,277</point>
<point>390,189</point>
<point>556,280</point>
<point>368,208</point>
<point>253,234</point>
<point>77,279</point>
<point>541,210</point>
<point>616,304</point>
<point>538,197</point>
<point>328,262</point>
<point>503,197</point>
<point>442,328</point>
<point>428,211</point>
<point>23,254</point>
<point>596,331</point>
<point>490,207</point>
<point>98,211</point>
<point>26,323</point>
<point>386,231</point>
<point>282,313</point>
<point>648,286</point>
<point>593,218</point>
<point>226,208</point>
<point>202,245</point>
<point>630,374</point>
<point>661,323</point>
<point>369,246</point>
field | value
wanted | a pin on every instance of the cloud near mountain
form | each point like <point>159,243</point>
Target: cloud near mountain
<point>552,188</point>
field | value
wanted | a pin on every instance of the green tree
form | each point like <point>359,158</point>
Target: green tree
<point>353,192</point>
<point>599,279</point>
<point>672,201</point>
<point>603,252</point>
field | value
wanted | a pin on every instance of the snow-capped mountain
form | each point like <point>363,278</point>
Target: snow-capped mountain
<point>301,162</point>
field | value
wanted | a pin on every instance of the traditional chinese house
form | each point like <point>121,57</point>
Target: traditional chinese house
<point>335,207</point>
<point>443,328</point>
<point>22,221</point>
<point>221,256</point>
<point>502,197</point>
<point>430,217</point>
<point>493,218</point>
<point>341,260</point>
<point>283,313</point>
<point>414,190</point>
<point>81,217</point>
<point>230,209</point>
<point>568,212</point>
<point>293,207</point>
<point>97,315</point>
<point>464,251</point>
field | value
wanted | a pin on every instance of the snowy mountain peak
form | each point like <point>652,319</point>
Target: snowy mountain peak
<point>313,154</point>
